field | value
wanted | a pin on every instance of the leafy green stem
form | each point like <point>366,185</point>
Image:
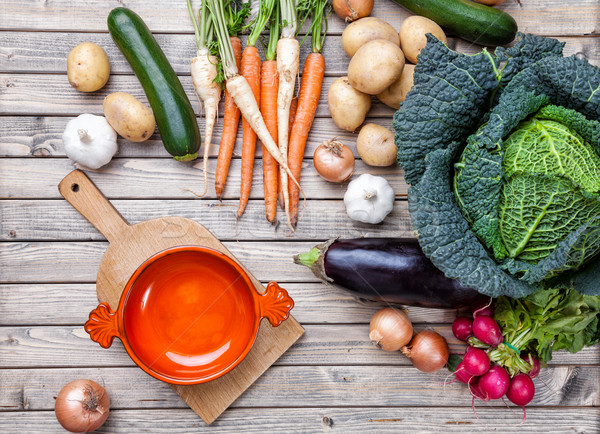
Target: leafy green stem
<point>289,20</point>
<point>265,10</point>
<point>271,48</point>
<point>224,44</point>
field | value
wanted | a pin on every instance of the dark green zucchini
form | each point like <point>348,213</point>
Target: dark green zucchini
<point>469,20</point>
<point>172,109</point>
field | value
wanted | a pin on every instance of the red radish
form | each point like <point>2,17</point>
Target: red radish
<point>476,362</point>
<point>532,360</point>
<point>483,308</point>
<point>462,375</point>
<point>476,391</point>
<point>494,383</point>
<point>487,330</point>
<point>521,390</point>
<point>462,327</point>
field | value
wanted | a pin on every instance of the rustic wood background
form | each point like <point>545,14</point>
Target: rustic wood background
<point>333,379</point>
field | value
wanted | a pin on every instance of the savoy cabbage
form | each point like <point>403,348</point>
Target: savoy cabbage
<point>502,154</point>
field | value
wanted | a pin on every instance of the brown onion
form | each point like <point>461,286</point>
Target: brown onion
<point>390,329</point>
<point>428,351</point>
<point>82,406</point>
<point>334,161</point>
<point>350,10</point>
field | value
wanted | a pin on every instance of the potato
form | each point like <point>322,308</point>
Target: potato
<point>348,106</point>
<point>88,68</point>
<point>396,93</point>
<point>412,35</point>
<point>375,66</point>
<point>364,30</point>
<point>128,116</point>
<point>375,145</point>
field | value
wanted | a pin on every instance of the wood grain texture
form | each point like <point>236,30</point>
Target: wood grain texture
<point>77,262</point>
<point>316,303</point>
<point>47,52</point>
<point>149,178</point>
<point>544,17</point>
<point>331,419</point>
<point>293,386</point>
<point>28,220</point>
<point>322,344</point>
<point>332,379</point>
<point>51,94</point>
<point>41,136</point>
<point>131,245</point>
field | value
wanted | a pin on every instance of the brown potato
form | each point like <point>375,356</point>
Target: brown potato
<point>348,106</point>
<point>128,116</point>
<point>364,30</point>
<point>412,35</point>
<point>396,93</point>
<point>88,68</point>
<point>375,145</point>
<point>375,66</point>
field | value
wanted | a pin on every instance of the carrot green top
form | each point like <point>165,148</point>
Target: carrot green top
<point>271,48</point>
<point>265,11</point>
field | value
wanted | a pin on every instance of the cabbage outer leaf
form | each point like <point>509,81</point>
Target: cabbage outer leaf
<point>450,100</point>
<point>445,236</point>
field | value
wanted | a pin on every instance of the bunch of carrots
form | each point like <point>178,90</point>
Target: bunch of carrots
<point>262,94</point>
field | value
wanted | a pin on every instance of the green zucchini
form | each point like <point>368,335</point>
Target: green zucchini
<point>172,109</point>
<point>471,21</point>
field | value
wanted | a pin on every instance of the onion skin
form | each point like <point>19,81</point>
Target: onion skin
<point>351,10</point>
<point>428,351</point>
<point>390,329</point>
<point>334,161</point>
<point>82,406</point>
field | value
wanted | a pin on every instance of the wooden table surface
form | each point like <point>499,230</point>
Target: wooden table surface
<point>333,379</point>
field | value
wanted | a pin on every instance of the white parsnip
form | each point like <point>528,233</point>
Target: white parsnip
<point>204,72</point>
<point>288,64</point>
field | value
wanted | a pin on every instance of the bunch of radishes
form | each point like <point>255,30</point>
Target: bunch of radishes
<point>488,380</point>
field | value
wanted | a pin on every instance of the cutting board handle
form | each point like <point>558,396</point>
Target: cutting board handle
<point>80,191</point>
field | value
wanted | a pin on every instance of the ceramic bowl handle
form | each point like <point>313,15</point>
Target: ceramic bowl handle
<point>275,304</point>
<point>102,325</point>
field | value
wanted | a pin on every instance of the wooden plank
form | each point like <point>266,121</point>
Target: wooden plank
<point>54,262</point>
<point>28,220</point>
<point>289,386</point>
<point>322,344</point>
<point>316,303</point>
<point>41,136</point>
<point>165,178</point>
<point>340,420</point>
<point>543,17</point>
<point>47,51</point>
<point>51,94</point>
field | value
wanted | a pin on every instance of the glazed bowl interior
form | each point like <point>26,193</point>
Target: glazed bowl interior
<point>189,315</point>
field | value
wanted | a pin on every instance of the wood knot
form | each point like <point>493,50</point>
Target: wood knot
<point>327,421</point>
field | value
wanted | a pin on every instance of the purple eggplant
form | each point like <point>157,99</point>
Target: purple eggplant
<point>388,270</point>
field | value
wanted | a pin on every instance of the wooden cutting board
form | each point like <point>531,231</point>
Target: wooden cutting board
<point>130,245</point>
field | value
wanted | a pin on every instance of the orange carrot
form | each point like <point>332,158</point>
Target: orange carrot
<point>231,119</point>
<point>250,69</point>
<point>293,109</point>
<point>310,91</point>
<point>269,85</point>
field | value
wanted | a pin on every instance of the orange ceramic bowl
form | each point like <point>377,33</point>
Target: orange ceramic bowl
<point>188,315</point>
